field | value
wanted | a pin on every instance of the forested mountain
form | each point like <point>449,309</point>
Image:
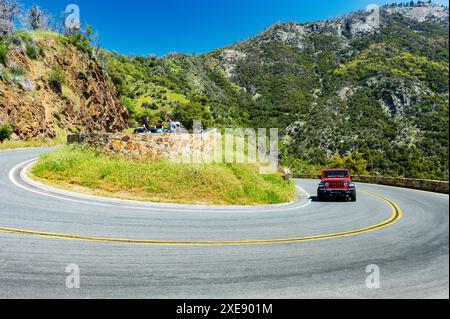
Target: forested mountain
<point>367,91</point>
<point>364,91</point>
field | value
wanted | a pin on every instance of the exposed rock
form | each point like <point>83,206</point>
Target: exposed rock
<point>399,95</point>
<point>367,25</point>
<point>36,110</point>
<point>422,13</point>
<point>346,92</point>
<point>291,34</point>
<point>229,58</point>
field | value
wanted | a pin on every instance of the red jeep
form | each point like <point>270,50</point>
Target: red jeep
<point>336,183</point>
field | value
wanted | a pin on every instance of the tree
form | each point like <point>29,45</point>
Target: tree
<point>188,113</point>
<point>9,11</point>
<point>37,19</point>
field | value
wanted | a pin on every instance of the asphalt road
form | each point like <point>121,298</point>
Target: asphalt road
<point>177,251</point>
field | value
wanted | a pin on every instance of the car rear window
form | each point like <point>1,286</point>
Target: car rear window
<point>336,174</point>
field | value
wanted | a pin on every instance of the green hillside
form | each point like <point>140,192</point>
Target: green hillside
<point>372,97</point>
<point>373,100</point>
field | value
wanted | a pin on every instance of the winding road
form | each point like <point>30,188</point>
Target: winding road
<point>307,249</point>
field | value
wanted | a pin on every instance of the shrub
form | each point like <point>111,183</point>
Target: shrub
<point>5,75</point>
<point>57,116</point>
<point>57,79</point>
<point>129,105</point>
<point>18,75</point>
<point>188,113</point>
<point>16,40</point>
<point>5,132</point>
<point>150,106</point>
<point>3,52</point>
<point>20,37</point>
<point>81,75</point>
<point>79,41</point>
<point>32,51</point>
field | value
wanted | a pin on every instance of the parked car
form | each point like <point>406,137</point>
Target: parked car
<point>336,183</point>
<point>177,128</point>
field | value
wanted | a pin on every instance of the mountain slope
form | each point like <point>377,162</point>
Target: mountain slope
<point>349,91</point>
<point>50,87</point>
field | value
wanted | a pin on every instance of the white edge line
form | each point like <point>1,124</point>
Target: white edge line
<point>151,205</point>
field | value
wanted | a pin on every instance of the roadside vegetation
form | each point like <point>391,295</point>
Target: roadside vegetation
<point>15,144</point>
<point>57,78</point>
<point>85,170</point>
<point>5,132</point>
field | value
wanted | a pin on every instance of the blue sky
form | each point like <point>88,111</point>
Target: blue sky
<point>145,27</point>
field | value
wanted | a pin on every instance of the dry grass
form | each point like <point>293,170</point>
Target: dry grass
<point>6,145</point>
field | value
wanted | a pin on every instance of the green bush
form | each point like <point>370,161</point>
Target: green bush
<point>5,132</point>
<point>188,113</point>
<point>18,74</point>
<point>32,51</point>
<point>16,40</point>
<point>129,105</point>
<point>57,78</point>
<point>5,75</point>
<point>79,41</point>
<point>3,52</point>
<point>81,75</point>
<point>20,37</point>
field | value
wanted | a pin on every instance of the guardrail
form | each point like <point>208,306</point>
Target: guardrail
<point>420,184</point>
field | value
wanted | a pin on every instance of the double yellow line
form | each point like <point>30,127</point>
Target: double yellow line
<point>397,214</point>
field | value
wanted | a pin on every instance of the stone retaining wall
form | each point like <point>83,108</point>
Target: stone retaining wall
<point>420,184</point>
<point>179,147</point>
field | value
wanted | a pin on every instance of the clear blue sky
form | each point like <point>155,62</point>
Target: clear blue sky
<point>144,27</point>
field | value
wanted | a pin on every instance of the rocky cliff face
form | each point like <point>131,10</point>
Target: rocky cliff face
<point>422,13</point>
<point>346,29</point>
<point>49,87</point>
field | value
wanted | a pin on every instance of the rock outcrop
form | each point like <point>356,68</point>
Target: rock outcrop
<point>85,102</point>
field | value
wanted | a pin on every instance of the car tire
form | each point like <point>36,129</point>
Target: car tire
<point>353,197</point>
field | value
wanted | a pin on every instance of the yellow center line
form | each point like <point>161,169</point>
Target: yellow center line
<point>397,214</point>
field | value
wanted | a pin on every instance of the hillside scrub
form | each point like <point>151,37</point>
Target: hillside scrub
<point>3,51</point>
<point>161,180</point>
<point>45,73</point>
<point>57,78</point>
<point>5,132</point>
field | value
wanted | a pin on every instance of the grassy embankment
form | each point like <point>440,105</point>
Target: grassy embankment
<point>11,144</point>
<point>96,173</point>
